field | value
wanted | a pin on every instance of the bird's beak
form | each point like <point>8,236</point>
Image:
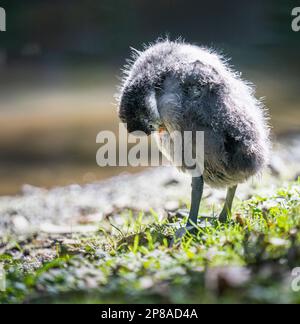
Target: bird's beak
<point>161,130</point>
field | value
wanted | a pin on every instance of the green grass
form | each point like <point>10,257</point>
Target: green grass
<point>247,260</point>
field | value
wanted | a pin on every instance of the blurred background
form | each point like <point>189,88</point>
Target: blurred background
<point>60,61</point>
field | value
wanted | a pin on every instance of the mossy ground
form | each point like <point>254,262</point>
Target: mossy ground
<point>247,260</point>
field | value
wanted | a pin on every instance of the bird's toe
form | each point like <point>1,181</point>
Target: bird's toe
<point>223,218</point>
<point>181,232</point>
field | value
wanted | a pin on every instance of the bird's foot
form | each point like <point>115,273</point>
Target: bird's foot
<point>182,213</point>
<point>181,232</point>
<point>224,216</point>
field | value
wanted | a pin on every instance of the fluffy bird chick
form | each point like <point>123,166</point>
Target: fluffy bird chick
<point>181,87</point>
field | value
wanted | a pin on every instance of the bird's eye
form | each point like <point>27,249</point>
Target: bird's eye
<point>151,127</point>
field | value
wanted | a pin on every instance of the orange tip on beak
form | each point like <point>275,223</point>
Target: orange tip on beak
<point>161,130</point>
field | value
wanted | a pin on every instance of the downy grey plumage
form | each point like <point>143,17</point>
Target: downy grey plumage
<point>185,87</point>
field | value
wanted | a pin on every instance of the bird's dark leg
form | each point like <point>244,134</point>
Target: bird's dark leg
<point>197,190</point>
<point>228,204</point>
